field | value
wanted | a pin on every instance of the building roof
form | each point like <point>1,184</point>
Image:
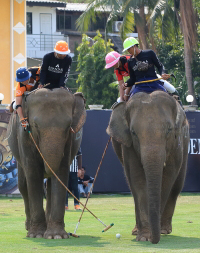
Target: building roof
<point>81,7</point>
<point>51,3</point>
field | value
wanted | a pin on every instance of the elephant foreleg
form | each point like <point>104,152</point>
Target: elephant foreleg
<point>22,185</point>
<point>55,219</point>
<point>34,176</point>
<point>166,218</point>
<point>136,178</point>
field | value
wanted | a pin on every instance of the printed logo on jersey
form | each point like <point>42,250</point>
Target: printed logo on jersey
<point>135,67</point>
<point>55,69</point>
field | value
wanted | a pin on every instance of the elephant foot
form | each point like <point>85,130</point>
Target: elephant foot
<point>55,234</point>
<point>143,236</point>
<point>135,230</point>
<point>36,230</point>
<point>166,229</point>
<point>56,231</point>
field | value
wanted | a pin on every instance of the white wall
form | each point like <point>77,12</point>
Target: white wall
<point>36,10</point>
<point>33,39</point>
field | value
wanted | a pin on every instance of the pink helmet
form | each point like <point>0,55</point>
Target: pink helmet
<point>111,59</point>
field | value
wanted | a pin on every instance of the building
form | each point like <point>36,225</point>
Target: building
<point>55,20</point>
<point>41,28</point>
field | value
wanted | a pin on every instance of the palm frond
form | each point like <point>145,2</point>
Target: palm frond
<point>93,7</point>
<point>128,24</point>
<point>159,7</point>
<point>84,20</point>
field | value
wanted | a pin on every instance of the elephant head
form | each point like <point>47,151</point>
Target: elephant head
<point>150,129</point>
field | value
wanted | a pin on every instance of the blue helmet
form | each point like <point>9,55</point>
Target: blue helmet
<point>22,74</point>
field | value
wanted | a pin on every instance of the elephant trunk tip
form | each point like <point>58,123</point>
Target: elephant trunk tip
<point>155,239</point>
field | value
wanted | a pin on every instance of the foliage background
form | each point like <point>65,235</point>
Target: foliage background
<point>94,80</point>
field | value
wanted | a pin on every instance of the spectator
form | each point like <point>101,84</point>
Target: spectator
<point>73,180</point>
<point>84,182</point>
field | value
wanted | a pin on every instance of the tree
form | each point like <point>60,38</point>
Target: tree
<point>94,79</point>
<point>73,76</point>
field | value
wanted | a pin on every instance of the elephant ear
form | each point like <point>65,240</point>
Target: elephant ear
<point>118,127</point>
<point>79,112</point>
<point>181,120</point>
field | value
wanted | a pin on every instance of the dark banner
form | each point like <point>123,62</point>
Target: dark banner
<point>192,182</point>
<point>111,176</point>
<point>8,164</point>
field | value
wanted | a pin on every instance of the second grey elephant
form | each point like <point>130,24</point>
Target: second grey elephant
<point>56,118</point>
<point>150,136</point>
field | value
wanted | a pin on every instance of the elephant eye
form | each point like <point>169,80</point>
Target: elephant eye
<point>133,132</point>
<point>169,130</point>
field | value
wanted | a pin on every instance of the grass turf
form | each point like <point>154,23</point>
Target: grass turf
<point>110,208</point>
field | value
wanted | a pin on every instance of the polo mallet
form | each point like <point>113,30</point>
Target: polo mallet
<point>71,234</point>
<point>62,182</point>
<point>106,227</point>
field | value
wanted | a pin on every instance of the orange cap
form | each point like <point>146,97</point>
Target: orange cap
<point>61,47</point>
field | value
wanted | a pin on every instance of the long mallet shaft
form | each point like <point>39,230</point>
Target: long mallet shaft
<point>92,188</point>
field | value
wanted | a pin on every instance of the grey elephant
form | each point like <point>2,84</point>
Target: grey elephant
<point>150,136</point>
<point>56,118</point>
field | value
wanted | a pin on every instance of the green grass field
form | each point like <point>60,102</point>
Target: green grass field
<point>111,208</point>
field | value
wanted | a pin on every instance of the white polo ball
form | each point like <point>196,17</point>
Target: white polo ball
<point>118,236</point>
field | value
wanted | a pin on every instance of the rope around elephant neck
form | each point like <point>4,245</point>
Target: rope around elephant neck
<point>60,180</point>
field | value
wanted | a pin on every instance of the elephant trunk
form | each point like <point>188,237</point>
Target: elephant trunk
<point>153,161</point>
<point>52,146</point>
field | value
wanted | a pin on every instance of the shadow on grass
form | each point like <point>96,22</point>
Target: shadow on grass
<point>171,242</point>
<point>83,240</point>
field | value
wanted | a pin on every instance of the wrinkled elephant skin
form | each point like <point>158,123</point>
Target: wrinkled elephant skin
<point>52,114</point>
<point>150,136</point>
